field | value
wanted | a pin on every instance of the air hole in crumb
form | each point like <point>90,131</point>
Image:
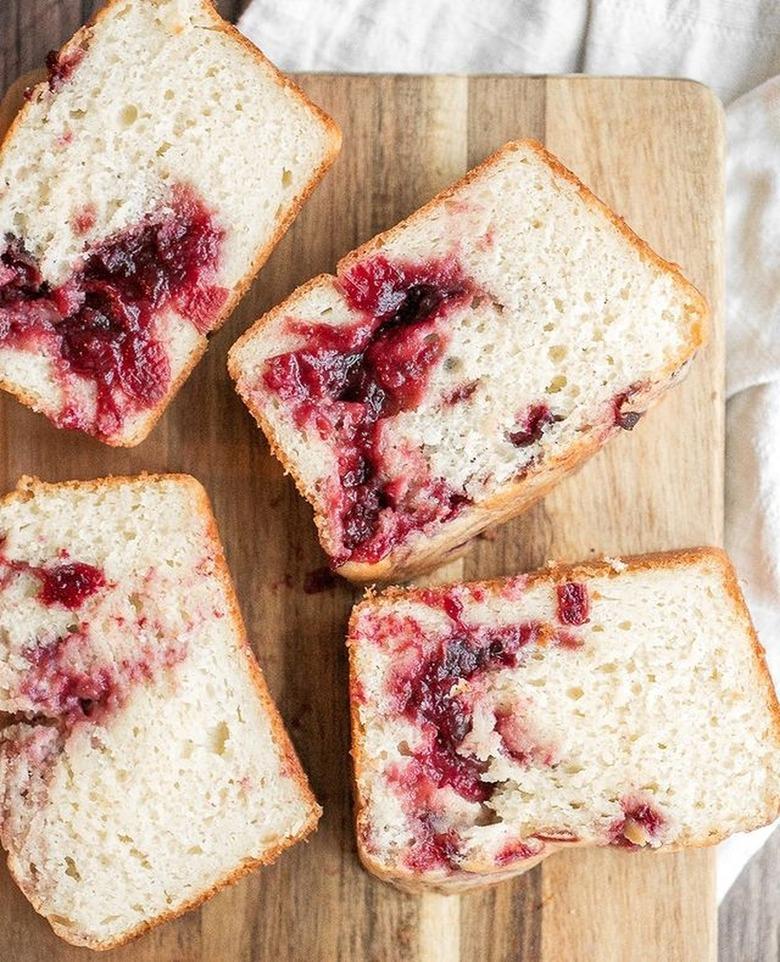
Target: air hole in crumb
<point>140,857</point>
<point>558,352</point>
<point>575,693</point>
<point>625,625</point>
<point>70,869</point>
<point>557,384</point>
<point>218,738</point>
<point>287,177</point>
<point>169,94</point>
<point>487,816</point>
<point>129,115</point>
<point>559,306</point>
<point>404,749</point>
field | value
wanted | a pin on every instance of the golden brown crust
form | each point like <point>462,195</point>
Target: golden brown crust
<point>26,489</point>
<point>422,553</point>
<point>67,935</point>
<point>333,134</point>
<point>553,573</point>
<point>256,410</point>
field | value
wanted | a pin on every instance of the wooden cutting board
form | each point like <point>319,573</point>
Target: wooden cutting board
<point>653,150</point>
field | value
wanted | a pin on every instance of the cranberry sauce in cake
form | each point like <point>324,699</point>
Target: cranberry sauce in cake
<point>460,688</point>
<point>531,425</point>
<point>627,420</point>
<point>66,680</point>
<point>100,325</point>
<point>430,396</point>
<point>61,67</point>
<point>641,824</point>
<point>424,695</point>
<point>63,583</point>
<point>70,674</point>
<point>440,680</point>
<point>70,585</point>
<point>573,603</point>
<point>348,380</point>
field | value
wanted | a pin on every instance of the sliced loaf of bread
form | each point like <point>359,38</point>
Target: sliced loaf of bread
<point>143,765</point>
<point>141,188</point>
<point>461,363</point>
<point>623,703</point>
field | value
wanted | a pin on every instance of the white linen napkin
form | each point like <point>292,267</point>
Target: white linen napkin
<point>731,45</point>
<point>753,383</point>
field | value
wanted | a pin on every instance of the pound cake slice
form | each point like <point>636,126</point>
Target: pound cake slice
<point>141,188</point>
<point>143,765</point>
<point>623,703</point>
<point>461,363</point>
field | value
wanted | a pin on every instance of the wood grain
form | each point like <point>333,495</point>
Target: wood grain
<point>652,149</point>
